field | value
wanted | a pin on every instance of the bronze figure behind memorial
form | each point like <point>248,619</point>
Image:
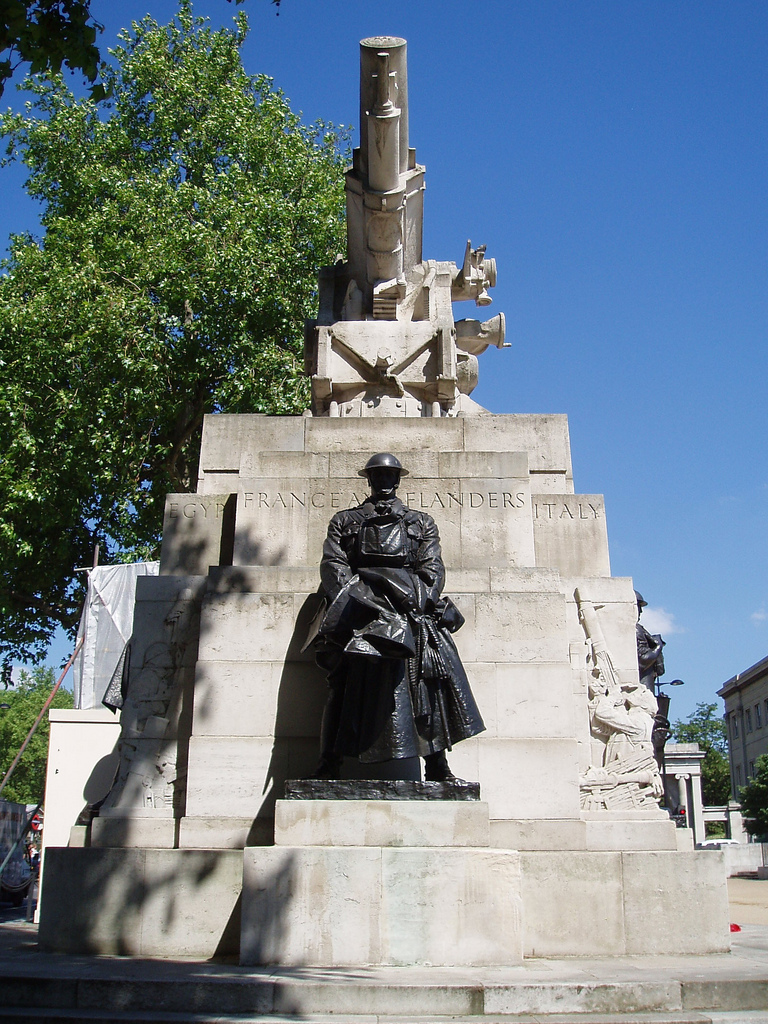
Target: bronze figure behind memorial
<point>397,688</point>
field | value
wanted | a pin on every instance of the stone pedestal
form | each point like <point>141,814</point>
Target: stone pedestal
<point>224,706</point>
<point>357,882</point>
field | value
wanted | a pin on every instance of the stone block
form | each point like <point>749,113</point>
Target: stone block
<point>614,600</point>
<point>675,903</point>
<point>493,465</point>
<point>227,437</point>
<point>521,628</point>
<point>385,434</point>
<point>452,906</point>
<point>198,531</point>
<point>261,465</point>
<point>642,833</point>
<point>380,906</point>
<point>247,627</point>
<point>496,523</point>
<point>258,698</point>
<point>572,902</point>
<point>570,533</point>
<point>394,823</point>
<point>543,437</point>
<point>524,580</point>
<point>232,776</point>
<point>134,830</point>
<point>283,887</point>
<point>529,777</point>
<point>421,463</point>
<point>141,902</point>
<point>593,1002</point>
<point>263,579</point>
<point>466,581</point>
<point>539,834</point>
<point>272,520</point>
<point>535,700</point>
<point>216,833</point>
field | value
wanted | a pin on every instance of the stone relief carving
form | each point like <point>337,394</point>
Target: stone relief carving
<point>147,775</point>
<point>385,342</point>
<point>621,717</point>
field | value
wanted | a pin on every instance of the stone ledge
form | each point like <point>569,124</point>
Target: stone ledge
<point>379,789</point>
<point>384,823</point>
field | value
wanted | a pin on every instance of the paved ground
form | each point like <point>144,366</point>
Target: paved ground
<point>748,898</point>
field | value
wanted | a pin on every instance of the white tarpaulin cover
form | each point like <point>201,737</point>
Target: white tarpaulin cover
<point>106,624</point>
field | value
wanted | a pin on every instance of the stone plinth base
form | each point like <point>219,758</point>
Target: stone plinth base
<point>630,830</point>
<point>128,902</point>
<point>616,904</point>
<point>381,823</point>
<point>379,789</point>
<point>332,906</point>
<point>354,905</point>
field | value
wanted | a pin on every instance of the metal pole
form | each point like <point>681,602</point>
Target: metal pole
<point>39,718</point>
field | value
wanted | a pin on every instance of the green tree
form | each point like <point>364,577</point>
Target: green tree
<point>707,728</point>
<point>754,799</point>
<point>27,784</point>
<point>48,33</point>
<point>185,219</point>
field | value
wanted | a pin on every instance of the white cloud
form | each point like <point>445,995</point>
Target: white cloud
<point>658,620</point>
<point>759,616</point>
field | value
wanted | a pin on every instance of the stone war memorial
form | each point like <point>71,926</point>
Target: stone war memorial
<point>216,839</point>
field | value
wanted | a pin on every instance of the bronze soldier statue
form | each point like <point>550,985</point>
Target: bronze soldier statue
<point>650,665</point>
<point>397,688</point>
<point>650,648</point>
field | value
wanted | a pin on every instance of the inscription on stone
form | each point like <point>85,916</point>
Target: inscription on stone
<point>210,509</point>
<point>426,499</point>
<point>565,510</point>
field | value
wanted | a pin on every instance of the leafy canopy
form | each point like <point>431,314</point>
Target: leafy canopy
<point>754,799</point>
<point>48,33</point>
<point>27,784</point>
<point>185,219</point>
<point>707,728</point>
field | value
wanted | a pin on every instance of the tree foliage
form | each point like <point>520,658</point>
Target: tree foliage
<point>754,799</point>
<point>27,784</point>
<point>185,219</point>
<point>47,34</point>
<point>707,728</point>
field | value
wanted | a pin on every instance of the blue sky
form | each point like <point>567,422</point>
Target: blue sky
<point>612,156</point>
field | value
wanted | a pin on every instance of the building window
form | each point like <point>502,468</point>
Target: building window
<point>751,769</point>
<point>735,723</point>
<point>748,714</point>
<point>758,717</point>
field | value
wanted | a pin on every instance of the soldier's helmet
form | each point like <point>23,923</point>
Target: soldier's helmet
<point>383,460</point>
<point>641,602</point>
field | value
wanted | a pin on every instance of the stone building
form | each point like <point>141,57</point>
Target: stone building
<point>746,714</point>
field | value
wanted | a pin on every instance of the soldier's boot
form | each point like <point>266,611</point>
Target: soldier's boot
<point>436,768</point>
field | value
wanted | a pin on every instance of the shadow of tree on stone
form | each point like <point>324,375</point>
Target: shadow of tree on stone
<point>300,701</point>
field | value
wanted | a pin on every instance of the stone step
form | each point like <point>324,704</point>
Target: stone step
<point>70,1016</point>
<point>115,995</point>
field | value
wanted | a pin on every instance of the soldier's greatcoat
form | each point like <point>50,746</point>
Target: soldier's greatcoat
<point>398,688</point>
